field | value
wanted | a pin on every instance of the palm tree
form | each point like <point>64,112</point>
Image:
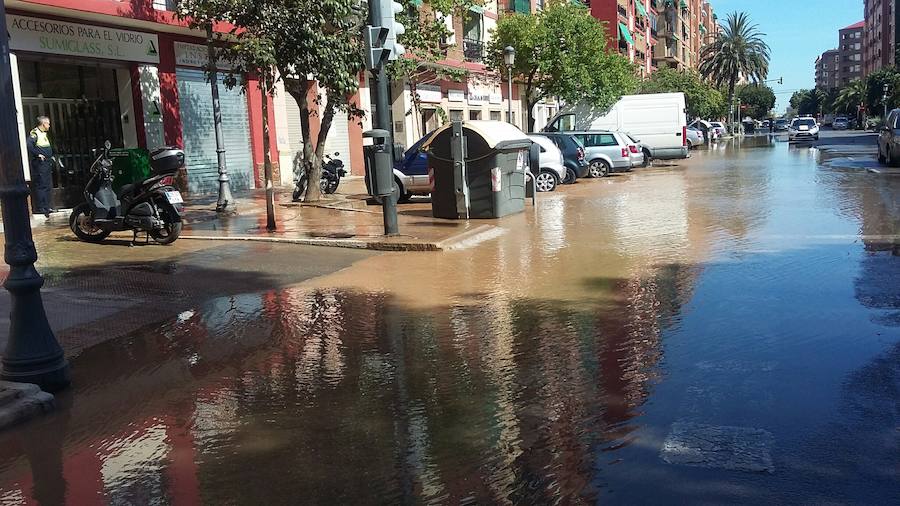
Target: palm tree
<point>738,51</point>
<point>851,97</point>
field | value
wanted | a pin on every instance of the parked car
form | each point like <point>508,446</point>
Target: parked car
<point>573,155</point>
<point>840,123</point>
<point>803,129</point>
<point>719,128</point>
<point>766,123</point>
<point>889,140</point>
<point>606,152</point>
<point>710,133</point>
<point>658,119</point>
<point>552,166</point>
<point>695,137</point>
<point>781,125</point>
<point>636,153</point>
<point>411,172</point>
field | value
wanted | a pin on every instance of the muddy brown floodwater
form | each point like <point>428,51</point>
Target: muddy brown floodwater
<point>723,330</point>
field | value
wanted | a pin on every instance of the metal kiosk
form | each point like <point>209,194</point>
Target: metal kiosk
<point>477,169</point>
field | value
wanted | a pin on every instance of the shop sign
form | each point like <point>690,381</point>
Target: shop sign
<point>430,94</point>
<point>496,97</point>
<point>195,55</point>
<point>456,95</point>
<point>478,95</point>
<point>76,39</point>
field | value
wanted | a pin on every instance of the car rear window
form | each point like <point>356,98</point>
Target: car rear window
<point>591,140</point>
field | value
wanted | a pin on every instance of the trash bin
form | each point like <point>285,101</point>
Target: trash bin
<point>477,169</point>
<point>129,165</point>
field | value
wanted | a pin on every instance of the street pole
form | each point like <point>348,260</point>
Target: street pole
<point>226,200</point>
<point>381,92</point>
<point>509,112</point>
<point>32,354</point>
<point>884,99</point>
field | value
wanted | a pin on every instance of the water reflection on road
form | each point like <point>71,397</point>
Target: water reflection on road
<point>749,290</point>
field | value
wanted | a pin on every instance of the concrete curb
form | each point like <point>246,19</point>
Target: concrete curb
<point>463,240</point>
<point>22,401</point>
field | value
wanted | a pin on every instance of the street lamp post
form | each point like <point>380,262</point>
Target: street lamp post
<point>884,99</point>
<point>509,57</point>
<point>32,353</point>
<point>225,202</point>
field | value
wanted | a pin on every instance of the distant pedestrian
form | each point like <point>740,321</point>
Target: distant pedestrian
<point>40,153</point>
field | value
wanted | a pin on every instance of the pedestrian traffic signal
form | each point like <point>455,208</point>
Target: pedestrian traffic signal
<point>381,41</point>
<point>389,11</point>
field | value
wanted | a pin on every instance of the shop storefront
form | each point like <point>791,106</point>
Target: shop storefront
<point>80,76</point>
<point>140,87</point>
<point>198,129</point>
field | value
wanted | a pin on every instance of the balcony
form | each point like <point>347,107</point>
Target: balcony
<point>473,50</point>
<point>520,6</point>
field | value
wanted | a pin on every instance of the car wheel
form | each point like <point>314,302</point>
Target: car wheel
<point>881,159</point>
<point>690,145</point>
<point>571,176</point>
<point>599,168</point>
<point>545,181</point>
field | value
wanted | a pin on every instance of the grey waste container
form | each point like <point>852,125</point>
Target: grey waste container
<point>491,181</point>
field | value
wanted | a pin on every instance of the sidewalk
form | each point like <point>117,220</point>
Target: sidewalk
<point>346,219</point>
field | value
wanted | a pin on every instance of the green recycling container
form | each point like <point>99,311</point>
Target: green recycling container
<point>129,165</point>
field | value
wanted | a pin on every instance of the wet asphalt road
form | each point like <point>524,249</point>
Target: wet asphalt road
<point>723,330</point>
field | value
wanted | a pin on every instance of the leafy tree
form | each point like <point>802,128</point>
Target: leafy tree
<point>561,52</point>
<point>738,51</point>
<point>702,99</point>
<point>875,90</point>
<point>292,40</point>
<point>807,102</point>
<point>423,40</point>
<point>759,99</point>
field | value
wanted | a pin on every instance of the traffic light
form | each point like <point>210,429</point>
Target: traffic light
<point>389,10</point>
<point>376,52</point>
<point>381,41</point>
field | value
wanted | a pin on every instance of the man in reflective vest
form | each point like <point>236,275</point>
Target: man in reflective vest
<point>40,153</point>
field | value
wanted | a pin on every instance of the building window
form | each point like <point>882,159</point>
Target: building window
<point>474,115</point>
<point>164,5</point>
<point>495,116</point>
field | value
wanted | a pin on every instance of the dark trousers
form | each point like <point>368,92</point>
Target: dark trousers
<point>42,179</point>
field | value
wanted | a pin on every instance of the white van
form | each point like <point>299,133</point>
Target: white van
<point>657,120</point>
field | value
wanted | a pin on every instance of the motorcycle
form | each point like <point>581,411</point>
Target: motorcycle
<point>332,172</point>
<point>152,205</point>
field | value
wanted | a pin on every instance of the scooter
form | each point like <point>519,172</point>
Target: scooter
<point>332,172</point>
<point>151,205</point>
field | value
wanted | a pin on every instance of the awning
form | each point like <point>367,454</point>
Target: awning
<point>684,4</point>
<point>702,29</point>
<point>641,10</point>
<point>625,34</point>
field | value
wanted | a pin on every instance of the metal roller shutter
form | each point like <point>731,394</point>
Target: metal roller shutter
<point>195,100</point>
<point>338,140</point>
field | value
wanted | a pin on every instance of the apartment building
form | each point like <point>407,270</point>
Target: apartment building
<point>828,72</point>
<point>683,28</point>
<point>850,40</point>
<point>880,35</point>
<point>630,29</point>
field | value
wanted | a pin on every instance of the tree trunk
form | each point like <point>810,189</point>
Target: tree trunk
<point>299,89</point>
<point>267,155</point>
<point>315,173</point>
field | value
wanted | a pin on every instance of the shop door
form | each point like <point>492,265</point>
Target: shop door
<point>195,101</point>
<point>82,104</point>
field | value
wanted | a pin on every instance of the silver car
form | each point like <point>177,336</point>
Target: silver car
<point>694,137</point>
<point>606,151</point>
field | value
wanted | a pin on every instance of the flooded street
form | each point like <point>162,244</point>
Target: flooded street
<point>723,330</point>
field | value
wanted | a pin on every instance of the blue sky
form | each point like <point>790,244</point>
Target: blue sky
<point>797,33</point>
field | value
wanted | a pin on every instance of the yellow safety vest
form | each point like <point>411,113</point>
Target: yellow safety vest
<point>41,139</point>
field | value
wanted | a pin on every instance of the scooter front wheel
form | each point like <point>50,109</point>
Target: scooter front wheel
<point>82,224</point>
